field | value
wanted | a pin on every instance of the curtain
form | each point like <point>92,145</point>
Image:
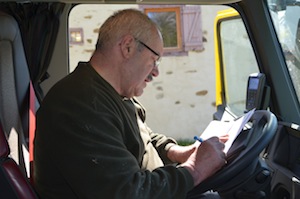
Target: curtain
<point>39,23</point>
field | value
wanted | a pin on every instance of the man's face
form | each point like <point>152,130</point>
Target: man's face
<point>143,66</point>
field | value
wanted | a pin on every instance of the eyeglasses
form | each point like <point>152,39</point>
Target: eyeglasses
<point>156,62</point>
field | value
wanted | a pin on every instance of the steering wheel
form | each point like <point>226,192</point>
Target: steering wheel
<point>243,155</point>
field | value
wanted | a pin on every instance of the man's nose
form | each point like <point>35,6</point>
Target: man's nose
<point>155,71</point>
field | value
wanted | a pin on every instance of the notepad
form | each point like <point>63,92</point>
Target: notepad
<point>231,128</point>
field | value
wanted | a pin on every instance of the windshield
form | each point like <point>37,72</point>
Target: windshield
<point>286,18</point>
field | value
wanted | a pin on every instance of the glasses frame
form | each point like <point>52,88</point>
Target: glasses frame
<point>156,62</point>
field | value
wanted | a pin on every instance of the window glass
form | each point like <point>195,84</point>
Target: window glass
<point>238,63</point>
<point>286,17</point>
<point>88,18</point>
<point>180,102</point>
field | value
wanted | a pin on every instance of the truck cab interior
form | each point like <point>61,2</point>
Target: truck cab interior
<point>257,65</point>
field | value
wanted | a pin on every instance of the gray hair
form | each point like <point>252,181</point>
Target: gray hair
<point>123,22</point>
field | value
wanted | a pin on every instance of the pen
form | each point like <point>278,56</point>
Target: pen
<point>198,139</point>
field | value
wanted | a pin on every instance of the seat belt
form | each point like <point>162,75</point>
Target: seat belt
<point>31,127</point>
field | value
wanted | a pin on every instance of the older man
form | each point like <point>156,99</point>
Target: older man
<point>91,138</point>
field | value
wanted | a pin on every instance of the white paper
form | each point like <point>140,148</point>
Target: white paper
<point>232,129</point>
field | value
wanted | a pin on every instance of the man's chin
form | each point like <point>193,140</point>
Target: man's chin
<point>139,93</point>
<point>140,89</point>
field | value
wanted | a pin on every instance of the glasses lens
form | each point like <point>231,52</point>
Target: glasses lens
<point>157,62</point>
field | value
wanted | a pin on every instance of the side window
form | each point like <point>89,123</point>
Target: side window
<point>84,23</point>
<point>181,26</point>
<point>286,19</point>
<point>185,85</point>
<point>237,61</point>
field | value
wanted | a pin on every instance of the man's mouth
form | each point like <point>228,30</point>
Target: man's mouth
<point>149,78</point>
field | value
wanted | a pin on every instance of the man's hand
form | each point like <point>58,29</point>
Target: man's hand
<point>224,138</point>
<point>180,154</point>
<point>207,159</point>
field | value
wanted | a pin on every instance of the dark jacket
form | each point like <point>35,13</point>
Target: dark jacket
<point>88,145</point>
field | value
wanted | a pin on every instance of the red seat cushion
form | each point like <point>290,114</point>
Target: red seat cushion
<point>17,181</point>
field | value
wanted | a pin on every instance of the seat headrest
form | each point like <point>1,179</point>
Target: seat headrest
<point>11,27</point>
<point>10,33</point>
<point>4,148</point>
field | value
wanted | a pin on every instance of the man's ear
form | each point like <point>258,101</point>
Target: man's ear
<point>127,45</point>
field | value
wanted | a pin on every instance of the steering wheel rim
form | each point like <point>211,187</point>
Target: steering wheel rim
<point>261,133</point>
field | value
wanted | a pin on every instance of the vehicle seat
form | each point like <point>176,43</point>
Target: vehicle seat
<point>14,91</point>
<point>12,182</point>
